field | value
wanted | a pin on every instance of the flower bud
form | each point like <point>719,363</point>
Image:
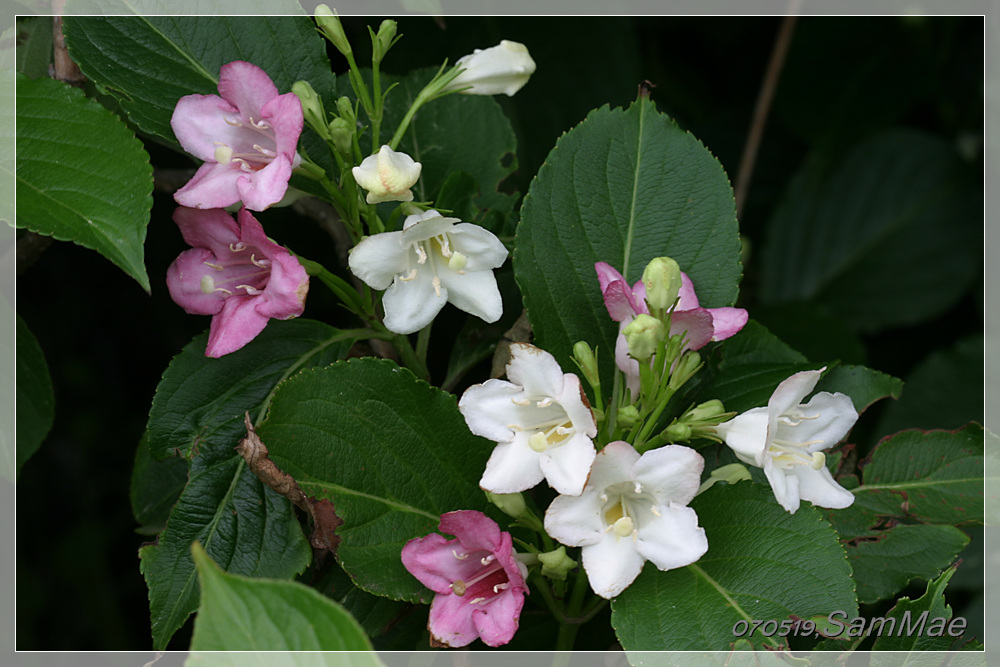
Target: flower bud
<point>730,474</point>
<point>383,39</point>
<point>341,134</point>
<point>501,69</point>
<point>387,175</point>
<point>678,432</point>
<point>643,334</point>
<point>662,278</point>
<point>686,366</point>
<point>628,416</point>
<point>556,564</point>
<point>346,110</point>
<point>511,504</point>
<point>587,362</point>
<point>705,412</point>
<point>312,107</point>
<point>329,24</point>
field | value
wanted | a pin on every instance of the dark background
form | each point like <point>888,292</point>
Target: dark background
<point>107,342</point>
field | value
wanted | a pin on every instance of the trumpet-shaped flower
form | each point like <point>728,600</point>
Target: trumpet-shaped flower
<point>633,509</point>
<point>504,68</point>
<point>236,274</point>
<point>432,261</point>
<point>478,581</point>
<point>247,138</point>
<point>387,176</point>
<point>787,439</point>
<point>701,324</point>
<point>540,420</point>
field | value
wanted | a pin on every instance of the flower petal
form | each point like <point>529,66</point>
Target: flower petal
<point>247,87</point>
<point>791,391</point>
<point>612,564</point>
<point>497,622</point>
<point>378,259</point>
<point>613,464</point>
<point>819,488</point>
<point>265,187</point>
<point>727,321</point>
<point>534,369</point>
<point>567,465</point>
<point>746,434</point>
<point>473,529</point>
<point>785,486</point>
<point>576,520</point>
<point>481,247</point>
<point>431,561</point>
<point>489,407</point>
<point>697,325</point>
<point>835,416</point>
<point>214,185</point>
<point>285,294</point>
<point>237,324</point>
<point>411,305</point>
<point>199,121</point>
<point>688,298</point>
<point>672,539</point>
<point>450,621</point>
<point>207,228</point>
<point>475,292</point>
<point>284,115</point>
<point>573,401</point>
<point>512,467</point>
<point>671,473</point>
<point>184,282</point>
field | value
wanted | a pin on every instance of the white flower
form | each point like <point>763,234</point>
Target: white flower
<point>387,176</point>
<point>501,69</point>
<point>786,439</point>
<point>432,261</point>
<point>633,509</point>
<point>540,420</point>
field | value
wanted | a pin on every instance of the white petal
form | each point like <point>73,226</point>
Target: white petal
<point>671,473</point>
<point>836,417</point>
<point>746,435</point>
<point>571,400</point>
<point>612,465</point>
<point>567,465</point>
<point>819,488</point>
<point>475,292</point>
<point>576,520</point>
<point>612,564</point>
<point>791,391</point>
<point>411,305</point>
<point>481,247</point>
<point>426,225</point>
<point>512,467</point>
<point>785,486</point>
<point>378,259</point>
<point>534,369</point>
<point>672,539</point>
<point>489,409</point>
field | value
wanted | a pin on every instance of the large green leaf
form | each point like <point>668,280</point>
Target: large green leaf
<point>762,563</point>
<point>150,62</point>
<point>890,236</point>
<point>241,614</point>
<point>198,411</point>
<point>35,399</point>
<point>155,487</point>
<point>932,476</point>
<point>201,401</point>
<point>935,633</point>
<point>82,176</point>
<point>864,385</point>
<point>391,452</point>
<point>622,187</point>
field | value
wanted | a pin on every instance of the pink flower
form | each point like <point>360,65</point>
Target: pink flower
<point>701,324</point>
<point>479,583</point>
<point>247,138</point>
<point>236,274</point>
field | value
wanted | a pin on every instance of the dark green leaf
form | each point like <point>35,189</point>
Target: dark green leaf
<point>35,400</point>
<point>812,330</point>
<point>242,614</point>
<point>201,401</point>
<point>392,454</point>
<point>622,187</point>
<point>762,563</point>
<point>150,62</point>
<point>864,385</point>
<point>33,51</point>
<point>933,476</point>
<point>861,238</point>
<point>82,176</point>
<point>155,487</point>
<point>909,634</point>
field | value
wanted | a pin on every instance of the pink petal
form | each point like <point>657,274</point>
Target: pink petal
<point>688,299</point>
<point>263,188</point>
<point>431,560</point>
<point>247,87</point>
<point>619,302</point>
<point>497,622</point>
<point>698,325</point>
<point>207,228</point>
<point>214,186</point>
<point>727,321</point>
<point>236,325</point>
<point>184,283</point>
<point>607,274</point>
<point>285,294</point>
<point>284,114</point>
<point>450,621</point>
<point>473,529</point>
<point>199,121</point>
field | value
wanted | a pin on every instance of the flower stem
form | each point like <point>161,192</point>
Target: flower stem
<point>409,357</point>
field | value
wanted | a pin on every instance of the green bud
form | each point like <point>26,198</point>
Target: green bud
<point>329,24</point>
<point>730,474</point>
<point>662,278</point>
<point>686,366</point>
<point>678,432</point>
<point>345,108</point>
<point>556,564</point>
<point>312,107</point>
<point>341,134</point>
<point>628,416</point>
<point>585,358</point>
<point>705,412</point>
<point>511,504</point>
<point>383,40</point>
<point>643,334</point>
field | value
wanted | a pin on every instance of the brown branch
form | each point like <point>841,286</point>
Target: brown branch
<point>63,67</point>
<point>764,98</point>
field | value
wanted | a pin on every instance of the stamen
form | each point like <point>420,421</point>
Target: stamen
<point>445,248</point>
<point>458,261</point>
<point>562,430</point>
<point>486,560</point>
<point>217,267</point>
<point>263,151</point>
<point>458,587</point>
<point>421,254</point>
<point>500,587</point>
<point>477,600</point>
<point>223,154</point>
<point>515,427</point>
<point>458,555</point>
<point>818,460</point>
<point>654,510</point>
<point>786,443</point>
<point>207,284</point>
<point>251,290</point>
<point>410,276</point>
<point>234,123</point>
<point>623,526</point>
<point>603,497</point>
<point>544,403</point>
<point>436,282</point>
<point>638,487</point>
<point>520,401</point>
<point>223,289</point>
<point>240,246</point>
<point>244,165</point>
<point>262,263</point>
<point>538,442</point>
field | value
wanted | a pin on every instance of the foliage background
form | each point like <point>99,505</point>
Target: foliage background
<point>845,80</point>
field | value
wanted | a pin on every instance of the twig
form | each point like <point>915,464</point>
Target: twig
<point>764,98</point>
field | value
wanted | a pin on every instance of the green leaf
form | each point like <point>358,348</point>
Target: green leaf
<point>944,391</point>
<point>812,330</point>
<point>82,176</point>
<point>762,563</point>
<point>35,400</point>
<point>150,62</point>
<point>933,634</point>
<point>888,237</point>
<point>33,51</point>
<point>864,385</point>
<point>201,401</point>
<point>622,187</point>
<point>242,614</point>
<point>392,453</point>
<point>245,527</point>
<point>155,487</point>
<point>933,476</point>
<point>375,614</point>
<point>888,560</point>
